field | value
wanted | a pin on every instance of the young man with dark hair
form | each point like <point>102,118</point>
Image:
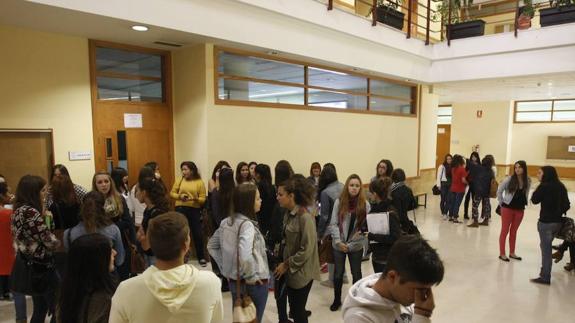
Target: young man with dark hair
<point>413,267</point>
<point>170,290</point>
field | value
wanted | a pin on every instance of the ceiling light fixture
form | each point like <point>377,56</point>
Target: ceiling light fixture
<point>140,28</point>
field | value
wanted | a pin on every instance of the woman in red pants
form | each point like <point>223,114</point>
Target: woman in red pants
<point>512,195</point>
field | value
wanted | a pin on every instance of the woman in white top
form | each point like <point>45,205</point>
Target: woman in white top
<point>444,182</point>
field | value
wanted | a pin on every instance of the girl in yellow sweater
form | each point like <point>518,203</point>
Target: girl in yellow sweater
<point>189,192</point>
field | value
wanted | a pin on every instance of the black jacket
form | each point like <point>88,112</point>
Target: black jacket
<point>380,244</point>
<point>482,177</point>
<point>554,201</point>
<point>403,201</point>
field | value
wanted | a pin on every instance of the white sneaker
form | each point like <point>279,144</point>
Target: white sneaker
<point>445,217</point>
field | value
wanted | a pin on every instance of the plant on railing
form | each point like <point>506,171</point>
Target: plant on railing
<point>457,15</point>
<point>528,9</point>
<point>394,4</point>
<point>561,3</point>
<point>389,13</point>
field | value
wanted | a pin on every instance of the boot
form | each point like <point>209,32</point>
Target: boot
<point>557,255</point>
<point>337,284</point>
<point>569,267</point>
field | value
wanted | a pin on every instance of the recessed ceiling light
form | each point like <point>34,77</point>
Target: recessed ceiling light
<point>140,28</point>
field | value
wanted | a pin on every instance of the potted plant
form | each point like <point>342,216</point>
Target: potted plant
<point>525,15</point>
<point>560,12</point>
<point>388,13</point>
<point>460,25</point>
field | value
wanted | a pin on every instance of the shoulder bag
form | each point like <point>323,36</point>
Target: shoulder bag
<point>244,308</point>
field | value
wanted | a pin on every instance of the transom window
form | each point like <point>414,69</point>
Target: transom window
<point>259,80</point>
<point>545,111</point>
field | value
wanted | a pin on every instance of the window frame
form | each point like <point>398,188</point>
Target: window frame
<point>165,79</point>
<point>414,99</point>
<point>552,111</point>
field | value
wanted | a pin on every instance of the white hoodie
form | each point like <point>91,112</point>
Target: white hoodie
<point>181,294</point>
<point>364,305</point>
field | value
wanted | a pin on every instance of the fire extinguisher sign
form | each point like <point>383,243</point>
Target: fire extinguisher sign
<point>479,114</point>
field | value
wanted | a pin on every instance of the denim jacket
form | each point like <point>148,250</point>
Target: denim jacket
<point>223,245</point>
<point>327,200</point>
<point>337,236</point>
<point>503,194</point>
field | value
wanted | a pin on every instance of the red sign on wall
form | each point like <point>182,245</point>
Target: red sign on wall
<point>479,113</point>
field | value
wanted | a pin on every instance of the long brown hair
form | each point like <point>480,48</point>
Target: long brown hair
<point>92,213</point>
<point>28,192</point>
<point>344,199</point>
<point>62,190</point>
<point>113,193</point>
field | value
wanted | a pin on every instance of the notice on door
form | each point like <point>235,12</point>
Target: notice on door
<point>133,120</point>
<point>571,149</point>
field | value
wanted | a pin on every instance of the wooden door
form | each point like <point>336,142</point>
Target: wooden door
<point>119,74</point>
<point>25,152</point>
<point>443,143</point>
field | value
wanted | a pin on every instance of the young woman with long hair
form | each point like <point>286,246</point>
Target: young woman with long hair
<point>239,232</point>
<point>95,220</point>
<point>117,210</point>
<point>243,174</point>
<point>189,193</point>
<point>300,257</point>
<point>252,166</point>
<point>120,178</point>
<point>57,171</point>
<point>34,240</point>
<point>381,243</point>
<point>473,160</point>
<point>552,195</point>
<point>347,220</point>
<point>65,205</point>
<point>482,175</point>
<point>458,184</point>
<point>444,183</point>
<point>383,169</point>
<point>212,183</point>
<point>86,291</point>
<point>314,172</point>
<point>267,191</point>
<point>512,196</point>
<point>153,194</point>
<point>283,171</point>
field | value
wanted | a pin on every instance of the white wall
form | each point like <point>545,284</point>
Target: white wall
<point>428,135</point>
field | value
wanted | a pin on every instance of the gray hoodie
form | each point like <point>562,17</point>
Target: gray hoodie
<point>364,305</point>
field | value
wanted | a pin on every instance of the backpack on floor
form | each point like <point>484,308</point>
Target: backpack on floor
<point>567,231</point>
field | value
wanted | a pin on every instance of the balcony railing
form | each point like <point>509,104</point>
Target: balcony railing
<point>435,21</point>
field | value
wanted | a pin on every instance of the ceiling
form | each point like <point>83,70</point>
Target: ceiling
<point>534,87</point>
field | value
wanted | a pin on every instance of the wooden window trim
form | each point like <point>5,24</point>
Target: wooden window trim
<point>166,67</point>
<point>217,76</point>
<point>552,111</point>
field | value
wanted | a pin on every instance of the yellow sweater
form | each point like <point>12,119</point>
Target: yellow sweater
<point>195,189</point>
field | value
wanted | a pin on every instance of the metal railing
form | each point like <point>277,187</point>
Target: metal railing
<point>423,20</point>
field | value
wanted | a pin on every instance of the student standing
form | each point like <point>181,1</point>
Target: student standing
<point>403,201</point>
<point>252,167</point>
<point>61,170</point>
<point>267,192</point>
<point>314,172</point>
<point>552,195</point>
<point>512,196</point>
<point>189,193</point>
<point>212,183</point>
<point>473,160</point>
<point>243,173</point>
<point>444,183</point>
<point>458,184</point>
<point>482,176</point>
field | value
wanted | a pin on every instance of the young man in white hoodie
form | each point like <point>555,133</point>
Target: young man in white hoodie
<point>169,291</point>
<point>402,293</point>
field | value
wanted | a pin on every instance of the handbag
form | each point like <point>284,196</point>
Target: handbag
<point>31,277</point>
<point>137,260</point>
<point>435,190</point>
<point>244,308</point>
<point>493,188</point>
<point>498,210</point>
<point>326,250</point>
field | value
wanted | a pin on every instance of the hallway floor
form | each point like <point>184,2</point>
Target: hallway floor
<point>477,287</point>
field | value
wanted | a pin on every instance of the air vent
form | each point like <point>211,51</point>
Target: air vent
<point>164,43</point>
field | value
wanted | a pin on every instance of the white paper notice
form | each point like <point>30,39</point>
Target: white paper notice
<point>378,223</point>
<point>571,149</point>
<point>133,120</point>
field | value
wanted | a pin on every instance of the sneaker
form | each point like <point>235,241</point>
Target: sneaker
<point>327,283</point>
<point>569,267</point>
<point>516,257</point>
<point>456,221</point>
<point>540,280</point>
<point>324,268</point>
<point>445,217</point>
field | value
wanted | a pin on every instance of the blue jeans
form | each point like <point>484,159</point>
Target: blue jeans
<point>444,204</point>
<point>456,199</point>
<point>20,306</point>
<point>258,293</point>
<point>547,232</point>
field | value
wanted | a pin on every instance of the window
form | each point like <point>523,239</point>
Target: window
<point>545,111</point>
<point>246,79</point>
<point>123,75</point>
<point>444,114</point>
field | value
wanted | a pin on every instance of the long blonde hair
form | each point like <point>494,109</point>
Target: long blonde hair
<point>344,198</point>
<point>112,195</point>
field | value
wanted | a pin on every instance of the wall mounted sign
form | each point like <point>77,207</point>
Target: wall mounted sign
<point>133,120</point>
<point>479,114</point>
<point>79,155</point>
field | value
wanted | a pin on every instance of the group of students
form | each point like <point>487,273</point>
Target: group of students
<point>455,174</point>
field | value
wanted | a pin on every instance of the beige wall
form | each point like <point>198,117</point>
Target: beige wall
<point>190,114</point>
<point>45,84</point>
<point>429,103</point>
<point>353,142</point>
<point>530,142</point>
<point>490,131</point>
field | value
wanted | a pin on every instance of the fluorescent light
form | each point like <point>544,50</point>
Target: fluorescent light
<point>255,96</point>
<point>140,28</point>
<point>328,71</point>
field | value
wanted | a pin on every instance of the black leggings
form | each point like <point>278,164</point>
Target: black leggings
<point>194,221</point>
<point>470,194</point>
<point>297,300</point>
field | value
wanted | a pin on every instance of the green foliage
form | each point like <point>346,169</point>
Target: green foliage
<point>528,8</point>
<point>390,3</point>
<point>456,6</point>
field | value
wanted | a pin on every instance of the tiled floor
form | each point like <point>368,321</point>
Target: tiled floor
<point>477,286</point>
